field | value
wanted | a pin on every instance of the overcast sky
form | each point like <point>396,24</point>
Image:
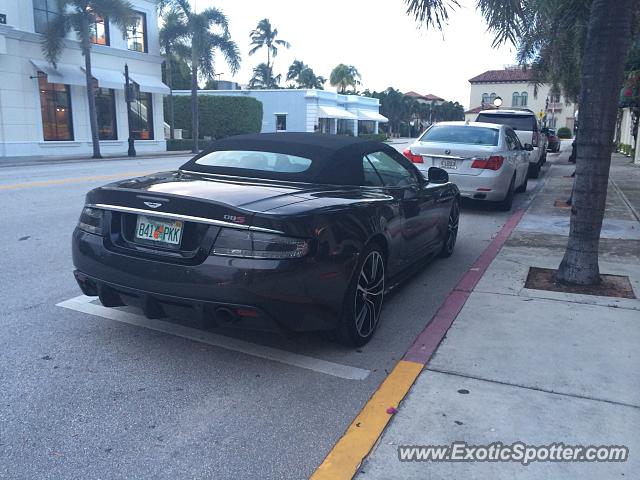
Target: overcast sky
<point>376,36</point>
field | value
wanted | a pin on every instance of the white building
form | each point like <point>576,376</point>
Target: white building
<point>44,111</point>
<point>514,85</point>
<point>310,110</point>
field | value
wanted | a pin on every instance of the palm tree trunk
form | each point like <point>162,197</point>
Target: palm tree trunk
<point>608,40</point>
<point>194,100</point>
<point>169,71</point>
<point>91,95</point>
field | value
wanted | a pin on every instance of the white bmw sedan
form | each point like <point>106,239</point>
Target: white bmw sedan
<point>485,160</point>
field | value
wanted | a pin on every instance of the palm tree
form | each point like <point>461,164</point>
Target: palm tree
<point>607,39</point>
<point>208,31</point>
<point>308,79</point>
<point>79,16</point>
<point>172,47</point>
<point>304,76</point>
<point>344,76</point>
<point>262,77</point>
<point>264,35</point>
<point>295,69</point>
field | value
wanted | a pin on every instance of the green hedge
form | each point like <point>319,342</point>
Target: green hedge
<point>376,137</point>
<point>219,116</point>
<point>179,144</point>
<point>564,132</point>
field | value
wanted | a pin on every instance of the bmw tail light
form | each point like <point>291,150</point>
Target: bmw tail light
<point>91,220</point>
<point>494,162</point>
<point>233,242</point>
<point>535,139</point>
<point>415,158</point>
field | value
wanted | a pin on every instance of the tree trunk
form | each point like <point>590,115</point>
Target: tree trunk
<point>91,95</point>
<point>606,47</point>
<point>194,100</point>
<point>169,72</point>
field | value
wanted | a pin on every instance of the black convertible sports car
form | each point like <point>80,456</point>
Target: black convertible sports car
<point>290,231</point>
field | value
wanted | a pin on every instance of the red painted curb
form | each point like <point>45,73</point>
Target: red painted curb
<point>428,340</point>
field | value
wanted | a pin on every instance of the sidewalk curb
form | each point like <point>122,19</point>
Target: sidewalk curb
<point>361,436</point>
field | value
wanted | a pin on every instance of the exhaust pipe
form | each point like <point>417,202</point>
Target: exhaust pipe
<point>226,315</point>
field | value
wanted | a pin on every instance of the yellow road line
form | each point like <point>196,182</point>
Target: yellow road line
<point>346,456</point>
<point>64,181</point>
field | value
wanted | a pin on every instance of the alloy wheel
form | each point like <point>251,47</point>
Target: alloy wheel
<point>369,294</point>
<point>452,226</point>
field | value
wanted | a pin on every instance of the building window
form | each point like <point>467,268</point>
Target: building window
<point>141,116</point>
<point>44,12</point>
<point>485,98</point>
<point>492,97</point>
<point>137,33</point>
<point>523,99</point>
<point>99,31</point>
<point>55,106</point>
<point>515,99</point>
<point>281,122</point>
<point>106,113</point>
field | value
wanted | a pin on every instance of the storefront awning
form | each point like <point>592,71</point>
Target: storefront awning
<point>372,116</point>
<point>149,83</point>
<point>63,73</point>
<point>335,112</point>
<point>108,78</point>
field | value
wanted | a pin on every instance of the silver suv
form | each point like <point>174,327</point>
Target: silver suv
<point>525,124</point>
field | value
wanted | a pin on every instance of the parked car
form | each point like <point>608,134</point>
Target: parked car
<point>288,231</point>
<point>525,124</point>
<point>486,161</point>
<point>553,141</point>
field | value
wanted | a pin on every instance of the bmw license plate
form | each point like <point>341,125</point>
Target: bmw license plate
<point>448,163</point>
<point>159,230</point>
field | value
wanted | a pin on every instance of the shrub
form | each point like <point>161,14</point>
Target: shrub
<point>179,144</point>
<point>564,132</point>
<point>219,116</point>
<point>376,137</point>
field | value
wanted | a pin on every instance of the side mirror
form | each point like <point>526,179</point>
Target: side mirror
<point>528,147</point>
<point>437,175</point>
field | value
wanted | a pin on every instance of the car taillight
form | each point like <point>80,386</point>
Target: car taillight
<point>91,220</point>
<point>535,139</point>
<point>494,162</point>
<point>233,242</point>
<point>415,158</point>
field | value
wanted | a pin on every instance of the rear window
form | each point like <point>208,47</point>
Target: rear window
<point>255,160</point>
<point>517,122</point>
<point>463,134</point>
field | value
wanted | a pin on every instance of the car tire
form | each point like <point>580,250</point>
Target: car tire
<point>523,188</point>
<point>534,170</point>
<point>452,230</point>
<point>506,204</point>
<point>363,300</point>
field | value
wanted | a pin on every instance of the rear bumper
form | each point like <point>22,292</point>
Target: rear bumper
<point>298,295</point>
<point>496,182</point>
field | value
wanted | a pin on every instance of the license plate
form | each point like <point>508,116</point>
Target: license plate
<point>159,230</point>
<point>448,163</point>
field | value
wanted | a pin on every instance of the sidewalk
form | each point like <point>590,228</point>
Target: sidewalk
<point>50,160</point>
<point>534,366</point>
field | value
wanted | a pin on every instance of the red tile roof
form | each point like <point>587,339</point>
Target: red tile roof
<point>505,76</point>
<point>428,96</point>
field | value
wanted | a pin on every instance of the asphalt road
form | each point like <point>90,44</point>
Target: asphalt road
<point>88,397</point>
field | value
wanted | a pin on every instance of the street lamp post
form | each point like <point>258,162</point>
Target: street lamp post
<point>128,93</point>
<point>497,102</point>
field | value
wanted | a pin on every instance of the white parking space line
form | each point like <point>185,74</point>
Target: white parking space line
<point>83,304</point>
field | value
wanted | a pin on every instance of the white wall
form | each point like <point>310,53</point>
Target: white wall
<point>564,113</point>
<point>20,118</point>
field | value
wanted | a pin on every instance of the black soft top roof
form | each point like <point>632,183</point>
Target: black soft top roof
<point>335,159</point>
